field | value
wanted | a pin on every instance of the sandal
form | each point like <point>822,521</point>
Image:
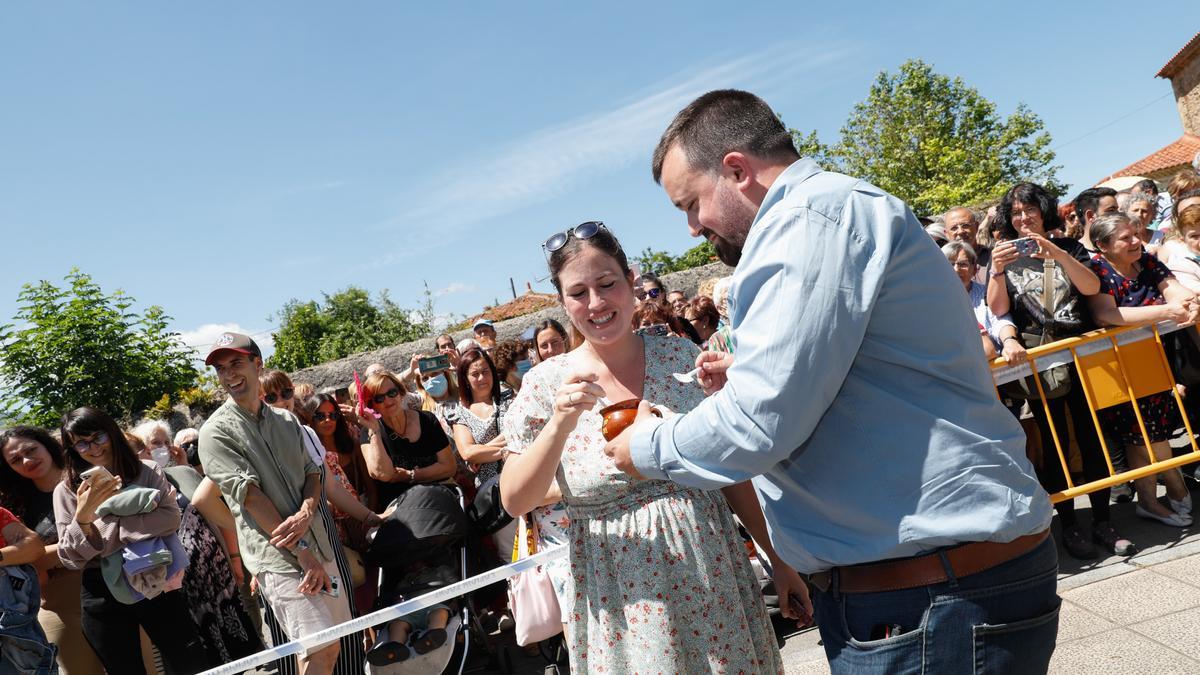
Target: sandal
<point>1077,545</point>
<point>430,640</point>
<point>1104,534</point>
<point>386,653</point>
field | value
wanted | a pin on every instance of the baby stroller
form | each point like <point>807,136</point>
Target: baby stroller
<point>420,548</point>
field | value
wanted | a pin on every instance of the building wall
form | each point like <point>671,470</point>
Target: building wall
<point>1187,95</point>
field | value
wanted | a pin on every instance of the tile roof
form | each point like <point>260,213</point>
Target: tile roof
<point>1181,57</point>
<point>1179,153</point>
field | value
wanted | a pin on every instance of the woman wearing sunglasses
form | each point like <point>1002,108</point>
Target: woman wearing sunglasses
<point>649,559</point>
<point>85,537</point>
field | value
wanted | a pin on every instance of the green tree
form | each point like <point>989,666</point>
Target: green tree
<point>661,262</point>
<point>935,142</point>
<point>345,323</point>
<point>78,346</point>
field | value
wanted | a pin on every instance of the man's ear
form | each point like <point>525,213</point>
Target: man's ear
<point>736,167</point>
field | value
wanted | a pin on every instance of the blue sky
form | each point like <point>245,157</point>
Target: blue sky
<point>220,158</point>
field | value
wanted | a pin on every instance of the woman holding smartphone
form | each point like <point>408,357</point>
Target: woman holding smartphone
<point>99,464</point>
<point>1021,267</point>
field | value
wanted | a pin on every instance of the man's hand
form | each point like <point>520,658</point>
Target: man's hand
<point>713,366</point>
<point>794,602</point>
<point>315,578</point>
<point>292,528</point>
<point>618,448</point>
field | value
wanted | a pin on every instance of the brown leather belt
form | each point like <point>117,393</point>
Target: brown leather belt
<point>928,569</point>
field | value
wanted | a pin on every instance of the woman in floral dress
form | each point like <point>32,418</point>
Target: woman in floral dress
<point>1135,287</point>
<point>661,580</point>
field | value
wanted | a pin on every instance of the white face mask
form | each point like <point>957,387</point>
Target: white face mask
<point>437,385</point>
<point>161,456</point>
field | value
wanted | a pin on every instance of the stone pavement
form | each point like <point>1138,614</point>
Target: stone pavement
<point>1119,615</point>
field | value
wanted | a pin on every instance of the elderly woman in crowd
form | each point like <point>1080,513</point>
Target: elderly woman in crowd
<point>88,534</point>
<point>1136,288</point>
<point>33,466</point>
<point>1000,332</point>
<point>188,440</point>
<point>1140,210</point>
<point>1184,261</point>
<point>156,438</point>
<point>1016,285</point>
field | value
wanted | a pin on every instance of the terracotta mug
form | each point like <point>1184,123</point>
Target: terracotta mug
<point>618,416</point>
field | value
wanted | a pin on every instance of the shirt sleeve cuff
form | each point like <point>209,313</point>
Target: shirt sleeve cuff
<point>642,452</point>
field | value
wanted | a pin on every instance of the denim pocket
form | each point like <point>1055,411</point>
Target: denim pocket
<point>24,655</point>
<point>1023,646</point>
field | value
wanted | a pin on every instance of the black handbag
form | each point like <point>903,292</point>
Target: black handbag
<point>486,512</point>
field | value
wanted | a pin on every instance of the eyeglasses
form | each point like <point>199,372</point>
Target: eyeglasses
<point>581,231</point>
<point>962,264</point>
<point>390,393</point>
<point>83,444</point>
<point>285,394</point>
<point>321,417</point>
<point>654,292</point>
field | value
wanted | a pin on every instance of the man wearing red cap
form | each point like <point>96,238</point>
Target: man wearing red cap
<point>255,454</point>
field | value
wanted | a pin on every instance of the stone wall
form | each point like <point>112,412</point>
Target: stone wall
<point>340,373</point>
<point>1186,84</point>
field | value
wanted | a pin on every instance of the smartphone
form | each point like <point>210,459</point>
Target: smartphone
<point>1025,246</point>
<point>96,474</point>
<point>333,591</point>
<point>433,364</point>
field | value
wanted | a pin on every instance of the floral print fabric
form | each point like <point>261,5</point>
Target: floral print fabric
<point>1159,411</point>
<point>661,581</point>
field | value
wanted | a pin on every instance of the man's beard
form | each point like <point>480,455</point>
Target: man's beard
<point>739,215</point>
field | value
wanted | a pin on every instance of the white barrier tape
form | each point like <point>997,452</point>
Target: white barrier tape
<point>1063,356</point>
<point>386,614</point>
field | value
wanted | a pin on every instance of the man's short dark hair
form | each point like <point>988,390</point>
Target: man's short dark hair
<point>1089,200</point>
<point>1146,185</point>
<point>721,122</point>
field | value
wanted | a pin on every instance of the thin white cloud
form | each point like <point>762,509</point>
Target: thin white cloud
<point>546,163</point>
<point>453,288</point>
<point>199,339</point>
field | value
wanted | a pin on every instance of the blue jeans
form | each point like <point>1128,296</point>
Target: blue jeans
<point>1001,620</point>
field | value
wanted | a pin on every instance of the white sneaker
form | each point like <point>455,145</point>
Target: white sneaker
<point>1121,494</point>
<point>1174,520</point>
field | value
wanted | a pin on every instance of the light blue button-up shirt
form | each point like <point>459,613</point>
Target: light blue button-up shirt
<point>858,400</point>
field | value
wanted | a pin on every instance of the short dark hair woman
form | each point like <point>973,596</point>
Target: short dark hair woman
<point>1015,286</point>
<point>91,439</point>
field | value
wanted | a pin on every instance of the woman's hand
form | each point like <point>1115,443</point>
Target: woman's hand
<point>579,392</point>
<point>368,422</point>
<point>91,496</point>
<point>1183,313</point>
<point>1047,249</point>
<point>1003,255</point>
<point>1013,351</point>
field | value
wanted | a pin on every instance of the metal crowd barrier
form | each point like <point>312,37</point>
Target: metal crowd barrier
<point>1115,366</point>
<point>308,642</point>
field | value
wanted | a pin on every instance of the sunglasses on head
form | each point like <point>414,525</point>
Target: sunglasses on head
<point>581,231</point>
<point>390,393</point>
<point>321,417</point>
<point>285,394</point>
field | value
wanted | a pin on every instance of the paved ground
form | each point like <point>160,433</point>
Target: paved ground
<point>1119,615</point>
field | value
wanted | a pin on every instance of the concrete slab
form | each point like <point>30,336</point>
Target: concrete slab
<point>1076,622</point>
<point>1134,597</point>
<point>1117,652</point>
<point>1185,569</point>
<point>1180,630</point>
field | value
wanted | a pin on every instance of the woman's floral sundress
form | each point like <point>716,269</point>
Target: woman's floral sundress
<point>662,583</point>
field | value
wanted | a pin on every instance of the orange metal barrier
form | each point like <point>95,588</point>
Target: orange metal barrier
<point>1116,366</point>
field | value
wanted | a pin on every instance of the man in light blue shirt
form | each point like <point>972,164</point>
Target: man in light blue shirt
<point>859,403</point>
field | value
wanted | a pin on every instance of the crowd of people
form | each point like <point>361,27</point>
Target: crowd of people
<point>148,550</point>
